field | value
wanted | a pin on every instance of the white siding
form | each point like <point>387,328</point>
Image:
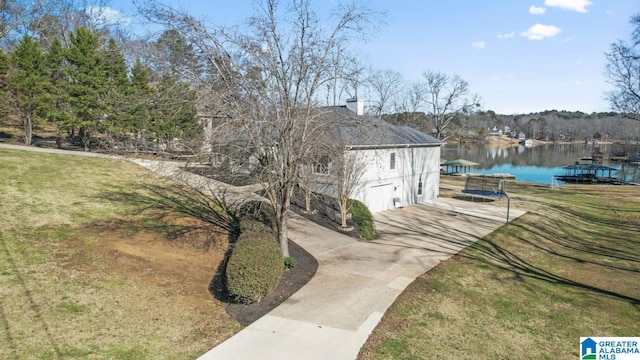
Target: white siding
<point>378,197</point>
<point>380,185</point>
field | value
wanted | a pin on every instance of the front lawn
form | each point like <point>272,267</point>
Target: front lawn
<point>98,261</point>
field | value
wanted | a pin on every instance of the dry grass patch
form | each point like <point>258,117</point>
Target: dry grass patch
<point>86,275</point>
<point>568,268</point>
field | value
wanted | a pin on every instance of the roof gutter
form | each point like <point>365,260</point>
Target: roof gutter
<point>391,146</point>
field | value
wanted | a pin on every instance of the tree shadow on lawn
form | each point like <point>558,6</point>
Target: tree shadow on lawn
<point>487,251</point>
<point>216,216</point>
<point>33,305</point>
<point>158,203</point>
<point>569,244</point>
<point>561,239</point>
<point>215,213</point>
<point>554,242</point>
<point>498,257</point>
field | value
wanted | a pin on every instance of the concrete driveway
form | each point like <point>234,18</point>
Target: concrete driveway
<point>332,316</point>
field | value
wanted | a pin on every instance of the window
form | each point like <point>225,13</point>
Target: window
<point>392,161</point>
<point>322,166</point>
<point>420,186</point>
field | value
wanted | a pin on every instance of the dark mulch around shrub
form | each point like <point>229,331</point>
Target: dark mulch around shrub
<point>292,280</point>
<point>324,221</point>
<point>320,206</point>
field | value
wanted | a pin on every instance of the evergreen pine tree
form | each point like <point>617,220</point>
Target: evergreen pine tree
<point>29,85</point>
<point>4,81</point>
<point>4,63</point>
<point>59,112</point>
<point>87,85</point>
<point>116,123</point>
<point>174,115</point>
<point>140,112</point>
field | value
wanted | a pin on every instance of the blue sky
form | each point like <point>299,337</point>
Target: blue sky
<point>520,56</point>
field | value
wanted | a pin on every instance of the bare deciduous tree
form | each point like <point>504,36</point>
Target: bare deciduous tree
<point>268,77</point>
<point>383,86</point>
<point>353,72</point>
<point>623,69</point>
<point>16,16</point>
<point>308,178</point>
<point>346,171</point>
<point>445,98</point>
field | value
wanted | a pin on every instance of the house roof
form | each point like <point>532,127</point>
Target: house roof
<point>373,132</point>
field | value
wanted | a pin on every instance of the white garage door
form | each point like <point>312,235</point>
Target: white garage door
<point>379,197</point>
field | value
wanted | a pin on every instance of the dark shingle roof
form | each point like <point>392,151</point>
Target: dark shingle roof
<point>368,131</point>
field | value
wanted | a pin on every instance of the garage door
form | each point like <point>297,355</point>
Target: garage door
<point>379,197</point>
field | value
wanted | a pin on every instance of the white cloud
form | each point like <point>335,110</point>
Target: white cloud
<point>507,35</point>
<point>573,5</point>
<point>479,44</point>
<point>102,15</point>
<point>540,32</point>
<point>537,10</point>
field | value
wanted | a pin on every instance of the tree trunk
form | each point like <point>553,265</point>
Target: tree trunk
<point>281,201</point>
<point>58,139</point>
<point>343,211</point>
<point>85,135</point>
<point>307,200</point>
<point>28,130</point>
<point>282,234</point>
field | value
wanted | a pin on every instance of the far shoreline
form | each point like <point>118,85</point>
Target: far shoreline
<point>504,141</point>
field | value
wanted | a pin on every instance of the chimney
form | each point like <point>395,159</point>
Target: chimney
<point>356,105</point>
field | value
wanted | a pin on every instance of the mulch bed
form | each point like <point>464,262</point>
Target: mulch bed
<point>319,204</point>
<point>292,280</point>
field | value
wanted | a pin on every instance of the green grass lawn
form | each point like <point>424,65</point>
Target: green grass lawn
<point>89,268</point>
<point>568,268</point>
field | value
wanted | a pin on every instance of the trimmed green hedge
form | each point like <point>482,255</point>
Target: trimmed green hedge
<point>257,210</point>
<point>363,218</point>
<point>255,265</point>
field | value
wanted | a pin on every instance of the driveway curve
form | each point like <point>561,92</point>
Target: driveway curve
<point>332,315</point>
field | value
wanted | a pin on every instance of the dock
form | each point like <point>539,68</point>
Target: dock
<point>618,158</point>
<point>590,174</point>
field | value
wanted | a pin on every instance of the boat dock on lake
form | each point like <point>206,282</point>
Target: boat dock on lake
<point>591,174</point>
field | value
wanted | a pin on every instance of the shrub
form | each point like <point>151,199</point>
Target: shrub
<point>257,210</point>
<point>255,265</point>
<point>363,218</point>
<point>290,262</point>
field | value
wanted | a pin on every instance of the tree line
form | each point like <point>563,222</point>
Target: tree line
<point>548,125</point>
<point>79,82</point>
<point>149,89</point>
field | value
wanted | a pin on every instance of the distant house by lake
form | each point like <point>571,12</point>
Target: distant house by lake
<point>496,131</point>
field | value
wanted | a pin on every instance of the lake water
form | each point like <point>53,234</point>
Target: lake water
<point>535,164</point>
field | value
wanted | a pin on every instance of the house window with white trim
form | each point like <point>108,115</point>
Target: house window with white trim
<point>392,161</point>
<point>420,186</point>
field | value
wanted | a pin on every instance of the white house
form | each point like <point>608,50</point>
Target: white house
<point>401,164</point>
